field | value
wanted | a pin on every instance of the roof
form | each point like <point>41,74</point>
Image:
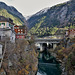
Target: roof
<point>20,27</point>
<point>3,19</point>
<point>71,29</point>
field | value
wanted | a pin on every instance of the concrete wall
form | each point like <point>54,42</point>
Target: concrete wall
<point>1,49</point>
<point>7,24</point>
<point>12,37</point>
<point>8,33</point>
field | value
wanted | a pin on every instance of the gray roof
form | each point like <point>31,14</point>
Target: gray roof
<point>3,19</point>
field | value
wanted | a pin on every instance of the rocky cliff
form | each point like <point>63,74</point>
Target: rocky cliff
<point>20,59</point>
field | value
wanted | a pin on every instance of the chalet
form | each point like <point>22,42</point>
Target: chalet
<point>70,33</point>
<point>21,31</point>
<point>7,29</point>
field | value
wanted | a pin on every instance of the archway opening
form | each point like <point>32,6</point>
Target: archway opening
<point>50,46</point>
<point>44,46</point>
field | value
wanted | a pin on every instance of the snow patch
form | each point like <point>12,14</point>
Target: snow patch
<point>42,11</point>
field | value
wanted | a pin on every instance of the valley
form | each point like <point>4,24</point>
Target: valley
<point>41,44</point>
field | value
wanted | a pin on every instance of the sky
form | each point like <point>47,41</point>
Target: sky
<point>29,7</point>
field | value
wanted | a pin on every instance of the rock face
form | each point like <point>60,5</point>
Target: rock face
<point>18,61</point>
<point>60,15</point>
<point>13,11</point>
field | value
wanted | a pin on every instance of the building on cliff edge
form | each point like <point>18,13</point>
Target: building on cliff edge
<point>20,31</point>
<point>7,29</point>
<point>70,33</point>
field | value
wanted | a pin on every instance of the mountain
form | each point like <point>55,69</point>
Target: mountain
<point>27,17</point>
<point>48,20</point>
<point>13,13</point>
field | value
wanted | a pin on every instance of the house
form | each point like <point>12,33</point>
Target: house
<point>6,23</point>
<point>70,33</point>
<point>21,31</point>
<point>7,29</point>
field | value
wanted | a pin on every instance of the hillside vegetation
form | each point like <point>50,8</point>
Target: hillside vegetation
<point>58,16</point>
<point>20,58</point>
<point>67,56</point>
<point>13,13</point>
<point>16,20</point>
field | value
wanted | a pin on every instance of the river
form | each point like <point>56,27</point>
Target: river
<point>48,68</point>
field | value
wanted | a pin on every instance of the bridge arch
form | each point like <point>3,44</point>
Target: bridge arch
<point>46,43</point>
<point>50,46</point>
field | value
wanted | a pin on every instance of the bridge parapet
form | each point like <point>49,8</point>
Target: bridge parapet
<point>48,40</point>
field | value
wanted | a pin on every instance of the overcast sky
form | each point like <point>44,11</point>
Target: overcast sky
<point>29,7</point>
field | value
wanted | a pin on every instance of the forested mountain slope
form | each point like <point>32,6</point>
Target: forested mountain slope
<point>48,20</point>
<point>13,13</point>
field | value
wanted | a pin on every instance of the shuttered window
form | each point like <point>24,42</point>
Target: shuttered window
<point>3,24</point>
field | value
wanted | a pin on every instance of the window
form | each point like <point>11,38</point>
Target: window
<point>15,27</point>
<point>12,38</point>
<point>18,32</point>
<point>18,29</point>
<point>17,36</point>
<point>22,36</point>
<point>3,24</point>
<point>21,30</point>
<point>10,25</point>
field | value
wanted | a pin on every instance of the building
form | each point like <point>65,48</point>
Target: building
<point>60,33</point>
<point>6,23</point>
<point>70,33</point>
<point>21,31</point>
<point>7,29</point>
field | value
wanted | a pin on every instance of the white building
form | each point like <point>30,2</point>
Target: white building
<point>7,29</point>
